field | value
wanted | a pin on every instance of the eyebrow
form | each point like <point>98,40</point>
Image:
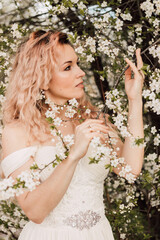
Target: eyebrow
<point>70,61</point>
<point>67,62</point>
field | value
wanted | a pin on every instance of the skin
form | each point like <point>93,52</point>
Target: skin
<point>67,74</point>
<point>38,203</point>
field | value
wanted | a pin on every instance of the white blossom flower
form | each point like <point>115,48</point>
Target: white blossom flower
<point>57,121</point>
<point>157,140</point>
<point>70,112</point>
<point>14,26</point>
<point>49,113</point>
<point>81,6</point>
<point>90,58</point>
<point>130,177</point>
<point>79,49</point>
<point>157,6</point>
<point>88,111</point>
<point>151,156</point>
<point>126,16</point>
<point>156,23</point>
<point>122,235</point>
<point>73,102</point>
<point>131,49</point>
<point>139,40</point>
<point>106,17</point>
<point>122,173</point>
<point>121,160</point>
<point>121,206</point>
<point>128,168</point>
<point>118,11</point>
<point>153,130</point>
<point>60,150</point>
<point>74,1</point>
<point>69,139</point>
<point>148,7</point>
<point>119,24</point>
<point>114,163</point>
<point>91,43</point>
<point>104,4</point>
<point>95,141</point>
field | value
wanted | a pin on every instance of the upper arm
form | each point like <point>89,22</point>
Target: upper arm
<point>13,139</point>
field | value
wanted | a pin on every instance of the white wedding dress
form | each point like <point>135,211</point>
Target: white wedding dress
<point>80,213</point>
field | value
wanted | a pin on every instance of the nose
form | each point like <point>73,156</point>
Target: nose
<point>80,73</point>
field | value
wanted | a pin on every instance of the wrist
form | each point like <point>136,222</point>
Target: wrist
<point>72,158</point>
<point>135,102</point>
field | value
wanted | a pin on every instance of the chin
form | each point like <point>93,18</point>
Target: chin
<point>76,94</point>
<point>79,95</point>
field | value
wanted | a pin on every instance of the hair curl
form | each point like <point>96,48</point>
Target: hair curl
<point>33,68</point>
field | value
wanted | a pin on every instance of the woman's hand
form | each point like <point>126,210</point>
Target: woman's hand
<point>133,86</point>
<point>84,134</point>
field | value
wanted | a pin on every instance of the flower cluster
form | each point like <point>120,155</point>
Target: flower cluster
<point>151,7</point>
<point>12,219</point>
<point>102,152</point>
<point>26,180</point>
<point>152,94</point>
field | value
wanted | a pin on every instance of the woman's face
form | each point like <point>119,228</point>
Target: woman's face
<point>67,82</point>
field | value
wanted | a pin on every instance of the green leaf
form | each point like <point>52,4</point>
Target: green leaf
<point>93,160</point>
<point>58,159</point>
<point>49,120</point>
<point>139,141</point>
<point>35,166</point>
<point>52,127</point>
<point>54,164</point>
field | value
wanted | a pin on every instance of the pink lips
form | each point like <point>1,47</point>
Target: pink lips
<point>80,85</point>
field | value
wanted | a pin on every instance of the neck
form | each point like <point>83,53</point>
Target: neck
<point>57,101</point>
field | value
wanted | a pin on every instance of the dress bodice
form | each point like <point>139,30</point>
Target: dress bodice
<point>84,196</point>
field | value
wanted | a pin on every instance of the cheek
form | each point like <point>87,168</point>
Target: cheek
<point>61,81</point>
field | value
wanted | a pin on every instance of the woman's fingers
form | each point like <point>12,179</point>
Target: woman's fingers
<point>139,62</point>
<point>132,65</point>
<point>137,70</point>
<point>139,59</point>
<point>99,128</point>
<point>128,74</point>
<point>94,126</point>
<point>96,134</point>
<point>88,122</point>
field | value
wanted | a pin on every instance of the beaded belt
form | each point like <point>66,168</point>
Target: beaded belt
<point>83,220</point>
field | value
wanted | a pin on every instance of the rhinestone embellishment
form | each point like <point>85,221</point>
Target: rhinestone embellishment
<point>83,220</point>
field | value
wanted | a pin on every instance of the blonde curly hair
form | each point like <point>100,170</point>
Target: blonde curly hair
<point>32,69</point>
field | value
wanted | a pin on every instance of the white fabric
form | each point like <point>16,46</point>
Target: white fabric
<point>16,159</point>
<point>84,194</point>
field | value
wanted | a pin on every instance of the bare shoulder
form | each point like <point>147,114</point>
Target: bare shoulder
<point>13,138</point>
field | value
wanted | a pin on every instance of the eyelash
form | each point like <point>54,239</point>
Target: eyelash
<point>66,69</point>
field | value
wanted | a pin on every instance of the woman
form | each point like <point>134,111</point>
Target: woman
<point>68,204</point>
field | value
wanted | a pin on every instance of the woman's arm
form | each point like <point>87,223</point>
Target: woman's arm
<point>134,155</point>
<point>38,203</point>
